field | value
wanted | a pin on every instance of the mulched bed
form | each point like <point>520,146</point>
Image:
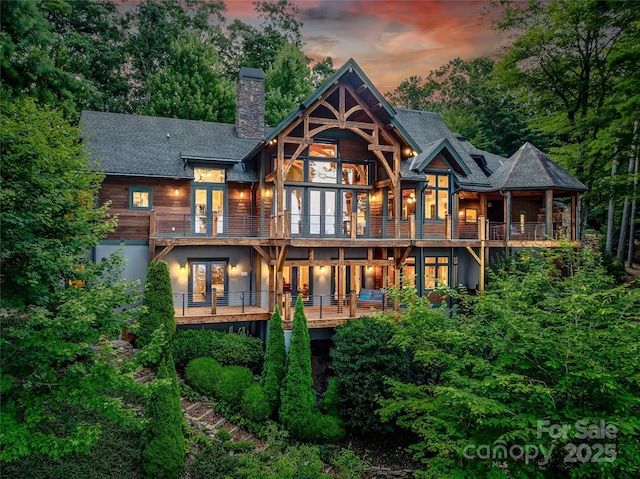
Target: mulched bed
<point>212,418</point>
<point>199,410</point>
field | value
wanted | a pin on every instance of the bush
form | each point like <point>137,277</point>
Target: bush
<point>232,383</point>
<point>239,446</point>
<point>158,299</point>
<point>329,402</point>
<point>362,360</point>
<point>349,464</point>
<point>162,439</point>
<point>325,429</point>
<point>202,374</point>
<point>229,349</point>
<point>275,360</point>
<point>298,398</point>
<point>254,404</point>
<point>223,435</point>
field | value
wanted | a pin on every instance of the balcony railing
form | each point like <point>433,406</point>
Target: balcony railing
<point>249,305</point>
<point>522,232</point>
<point>327,226</point>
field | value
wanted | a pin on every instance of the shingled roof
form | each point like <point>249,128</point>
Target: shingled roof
<point>530,169</point>
<point>136,145</point>
<point>432,135</point>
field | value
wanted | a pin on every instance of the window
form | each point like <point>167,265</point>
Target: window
<point>435,268</point>
<point>208,175</point>
<point>323,150</point>
<point>436,197</point>
<point>140,198</point>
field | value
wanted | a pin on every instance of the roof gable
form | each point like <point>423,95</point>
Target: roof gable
<point>351,74</point>
<point>432,150</point>
<point>530,169</point>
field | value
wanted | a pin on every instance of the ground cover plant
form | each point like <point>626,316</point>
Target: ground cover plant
<point>552,343</point>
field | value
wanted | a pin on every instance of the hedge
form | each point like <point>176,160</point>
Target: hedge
<point>229,349</point>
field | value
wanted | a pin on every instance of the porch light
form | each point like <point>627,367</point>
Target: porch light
<point>233,268</point>
<point>242,194</point>
<point>183,268</point>
<point>321,268</point>
<point>369,268</point>
<point>176,192</point>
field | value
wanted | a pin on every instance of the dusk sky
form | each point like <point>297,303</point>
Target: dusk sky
<point>391,40</point>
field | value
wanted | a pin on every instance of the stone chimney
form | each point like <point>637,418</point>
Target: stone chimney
<point>250,104</point>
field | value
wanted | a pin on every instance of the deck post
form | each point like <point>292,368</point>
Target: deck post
<point>287,306</point>
<point>447,226</point>
<point>352,304</point>
<point>287,224</point>
<point>412,226</point>
<point>214,300</point>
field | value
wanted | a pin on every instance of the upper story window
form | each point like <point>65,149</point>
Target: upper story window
<point>323,150</point>
<point>436,197</point>
<point>208,175</point>
<point>323,166</point>
<point>140,197</point>
<point>323,171</point>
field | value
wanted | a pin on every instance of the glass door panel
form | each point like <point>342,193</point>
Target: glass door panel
<point>362,214</point>
<point>347,209</point>
<point>295,206</point>
<point>201,211</point>
<point>330,213</point>
<point>206,275</point>
<point>314,212</point>
<point>217,278</point>
<point>217,206</point>
<point>199,283</point>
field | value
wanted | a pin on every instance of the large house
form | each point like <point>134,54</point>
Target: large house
<point>346,196</point>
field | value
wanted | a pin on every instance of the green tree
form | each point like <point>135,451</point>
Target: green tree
<point>560,67</point>
<point>275,359</point>
<point>362,360</point>
<point>193,85</point>
<point>48,217</point>
<point>158,300</point>
<point>472,102</point>
<point>552,339</point>
<point>154,25</point>
<point>162,440</point>
<point>88,42</point>
<point>287,84</point>
<point>322,71</point>
<point>297,397</point>
<point>57,368</point>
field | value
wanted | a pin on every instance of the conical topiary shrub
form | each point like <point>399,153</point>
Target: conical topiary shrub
<point>275,360</point>
<point>298,398</point>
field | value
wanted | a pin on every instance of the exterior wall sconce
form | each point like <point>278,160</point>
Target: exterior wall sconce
<point>369,268</point>
<point>183,268</point>
<point>176,192</point>
<point>233,268</point>
<point>321,268</point>
<point>374,197</point>
<point>267,192</point>
<point>242,194</point>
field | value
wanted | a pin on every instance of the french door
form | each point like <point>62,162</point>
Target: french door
<point>208,210</point>
<point>322,212</point>
<point>204,277</point>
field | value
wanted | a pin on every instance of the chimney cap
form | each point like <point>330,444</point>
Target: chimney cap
<point>251,73</point>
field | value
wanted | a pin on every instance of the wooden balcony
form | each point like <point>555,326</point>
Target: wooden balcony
<point>322,311</point>
<point>340,231</point>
